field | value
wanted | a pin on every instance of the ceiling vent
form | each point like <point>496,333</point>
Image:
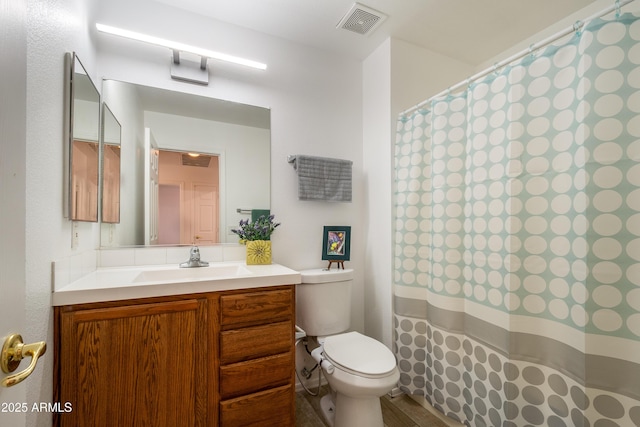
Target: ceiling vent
<point>361,19</point>
<point>200,161</point>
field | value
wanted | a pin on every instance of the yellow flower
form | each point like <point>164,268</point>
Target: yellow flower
<point>258,252</point>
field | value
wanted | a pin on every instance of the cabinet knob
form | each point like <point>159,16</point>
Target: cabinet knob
<point>13,351</point>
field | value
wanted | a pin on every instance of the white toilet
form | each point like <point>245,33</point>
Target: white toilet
<point>359,369</point>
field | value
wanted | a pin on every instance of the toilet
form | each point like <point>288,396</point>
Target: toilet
<point>358,368</point>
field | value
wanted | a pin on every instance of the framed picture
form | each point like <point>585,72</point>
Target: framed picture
<point>336,243</point>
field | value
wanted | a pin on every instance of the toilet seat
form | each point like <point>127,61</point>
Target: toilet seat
<point>359,355</point>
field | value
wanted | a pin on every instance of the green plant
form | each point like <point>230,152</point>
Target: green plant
<point>260,229</point>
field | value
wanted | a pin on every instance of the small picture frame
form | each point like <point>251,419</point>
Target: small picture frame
<point>336,243</point>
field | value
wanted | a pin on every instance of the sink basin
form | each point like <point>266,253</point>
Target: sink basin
<point>175,274</point>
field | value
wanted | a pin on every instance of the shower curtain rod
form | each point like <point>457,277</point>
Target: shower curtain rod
<point>535,46</point>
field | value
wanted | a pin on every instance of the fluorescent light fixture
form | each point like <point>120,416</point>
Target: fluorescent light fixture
<point>176,46</point>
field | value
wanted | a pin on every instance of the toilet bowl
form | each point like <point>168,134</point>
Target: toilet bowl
<point>358,368</point>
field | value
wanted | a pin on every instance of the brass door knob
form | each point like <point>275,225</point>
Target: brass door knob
<point>13,351</point>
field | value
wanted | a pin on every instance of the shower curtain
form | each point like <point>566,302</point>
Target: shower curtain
<point>517,239</point>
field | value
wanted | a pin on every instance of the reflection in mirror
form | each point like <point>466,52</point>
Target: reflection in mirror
<point>188,198</point>
<point>84,181</point>
<point>83,125</point>
<point>169,197</point>
<point>110,166</point>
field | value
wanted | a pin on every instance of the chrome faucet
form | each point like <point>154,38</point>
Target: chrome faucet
<point>194,259</point>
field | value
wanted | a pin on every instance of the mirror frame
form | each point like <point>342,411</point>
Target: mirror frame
<point>71,61</point>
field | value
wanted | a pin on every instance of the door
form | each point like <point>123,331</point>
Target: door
<point>170,224</point>
<point>151,188</point>
<point>13,63</point>
<point>12,271</point>
<point>205,214</point>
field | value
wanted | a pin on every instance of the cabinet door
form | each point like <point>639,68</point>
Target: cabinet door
<point>136,365</point>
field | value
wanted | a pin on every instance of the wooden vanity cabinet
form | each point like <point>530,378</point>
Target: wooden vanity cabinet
<point>214,359</point>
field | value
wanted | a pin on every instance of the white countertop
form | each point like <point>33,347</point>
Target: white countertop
<point>122,283</point>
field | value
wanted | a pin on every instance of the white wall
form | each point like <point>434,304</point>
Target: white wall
<point>396,76</point>
<point>376,72</point>
<point>418,73</point>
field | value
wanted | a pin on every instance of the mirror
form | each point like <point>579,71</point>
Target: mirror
<point>82,126</point>
<point>191,166</point>
<point>111,133</point>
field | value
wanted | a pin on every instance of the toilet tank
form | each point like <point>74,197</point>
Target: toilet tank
<point>323,301</point>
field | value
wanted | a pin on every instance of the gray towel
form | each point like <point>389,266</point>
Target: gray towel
<point>321,178</point>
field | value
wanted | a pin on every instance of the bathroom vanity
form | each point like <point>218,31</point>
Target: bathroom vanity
<point>220,356</point>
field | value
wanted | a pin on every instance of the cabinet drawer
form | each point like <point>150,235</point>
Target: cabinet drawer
<point>257,341</point>
<point>256,307</point>
<point>268,408</point>
<point>255,375</point>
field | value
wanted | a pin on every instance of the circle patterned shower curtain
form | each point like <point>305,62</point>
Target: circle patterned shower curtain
<point>517,239</point>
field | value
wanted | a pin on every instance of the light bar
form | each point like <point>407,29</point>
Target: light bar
<point>179,46</point>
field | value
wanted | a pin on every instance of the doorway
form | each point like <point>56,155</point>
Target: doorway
<point>188,198</point>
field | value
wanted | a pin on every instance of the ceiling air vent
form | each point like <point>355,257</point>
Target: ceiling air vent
<point>199,161</point>
<point>361,19</point>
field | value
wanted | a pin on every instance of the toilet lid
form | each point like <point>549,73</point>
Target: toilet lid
<point>359,353</point>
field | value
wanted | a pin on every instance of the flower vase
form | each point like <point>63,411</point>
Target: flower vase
<point>258,252</point>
